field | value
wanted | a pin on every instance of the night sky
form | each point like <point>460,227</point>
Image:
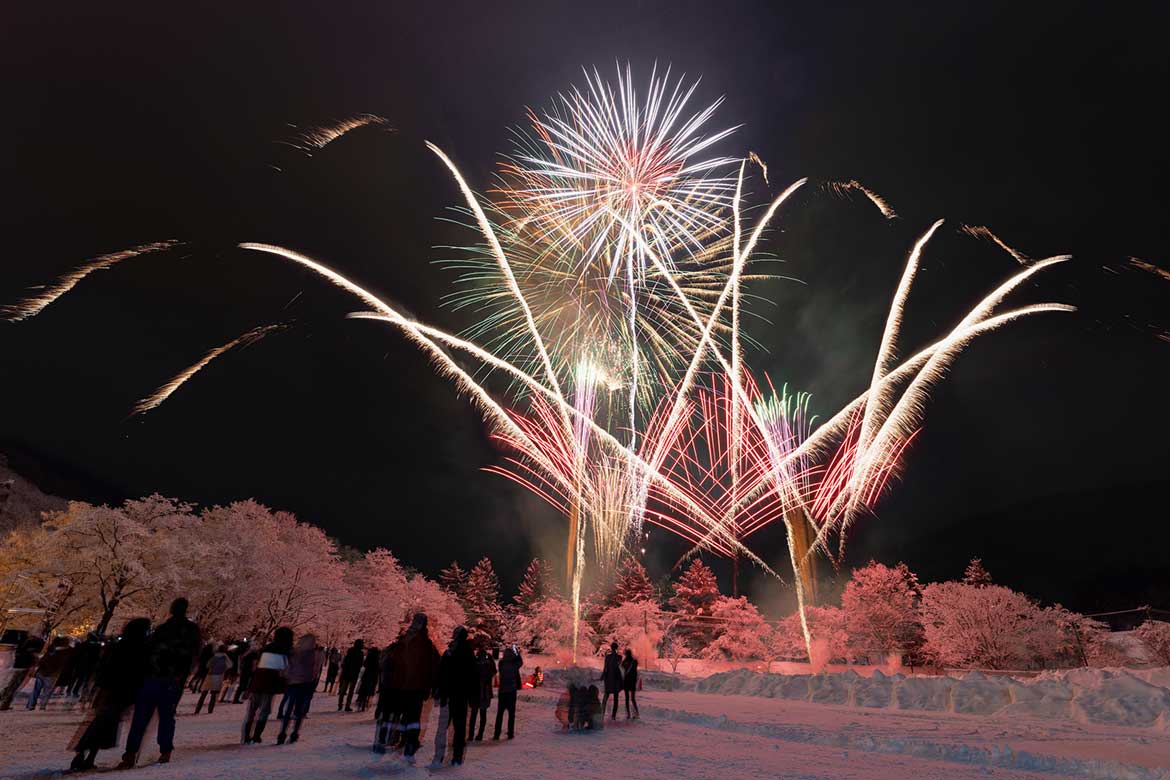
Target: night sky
<point>1045,450</point>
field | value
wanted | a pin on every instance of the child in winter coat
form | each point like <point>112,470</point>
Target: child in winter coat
<point>596,713</point>
<point>217,666</point>
<point>566,711</point>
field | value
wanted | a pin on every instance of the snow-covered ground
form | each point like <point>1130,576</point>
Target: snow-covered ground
<point>1094,696</point>
<point>682,734</point>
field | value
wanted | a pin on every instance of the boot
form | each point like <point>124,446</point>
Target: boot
<point>259,730</point>
<point>280,738</point>
<point>164,757</point>
<point>293,737</point>
<point>128,761</point>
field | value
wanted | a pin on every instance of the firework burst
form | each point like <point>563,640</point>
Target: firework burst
<point>614,184</point>
<point>606,173</point>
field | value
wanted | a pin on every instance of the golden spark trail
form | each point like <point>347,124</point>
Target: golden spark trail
<point>506,268</point>
<point>317,138</point>
<point>463,380</point>
<point>878,403</point>
<point>165,392</point>
<point>753,157</point>
<point>904,417</point>
<point>843,187</point>
<point>979,231</point>
<point>1149,268</point>
<point>913,365</point>
<point>31,307</point>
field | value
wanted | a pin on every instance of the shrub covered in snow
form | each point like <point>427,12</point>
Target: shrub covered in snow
<point>741,633</point>
<point>1155,635</point>
<point>977,625</point>
<point>638,625</point>
<point>547,627</point>
<point>881,616</point>
<point>827,626</point>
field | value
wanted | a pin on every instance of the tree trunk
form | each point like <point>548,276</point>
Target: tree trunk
<point>107,616</point>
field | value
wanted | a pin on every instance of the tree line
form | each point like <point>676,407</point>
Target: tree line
<point>247,569</point>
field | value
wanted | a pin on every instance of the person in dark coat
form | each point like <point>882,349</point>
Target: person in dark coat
<point>416,664</point>
<point>368,685</point>
<point>486,670</point>
<point>267,681</point>
<point>611,675</point>
<point>303,670</point>
<point>169,651</point>
<point>509,669</point>
<point>351,669</point>
<point>48,670</point>
<point>65,679</point>
<point>331,669</point>
<point>593,712</point>
<point>386,710</point>
<point>457,685</point>
<point>197,678</point>
<point>247,664</point>
<point>630,682</point>
<point>89,653</point>
<point>117,679</point>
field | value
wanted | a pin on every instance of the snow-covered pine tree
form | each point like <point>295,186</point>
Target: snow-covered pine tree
<point>453,579</point>
<point>976,575</point>
<point>632,584</point>
<point>481,599</point>
<point>695,594</point>
<point>537,585</point>
<point>911,580</point>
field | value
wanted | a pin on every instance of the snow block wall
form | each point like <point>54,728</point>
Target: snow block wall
<point>1102,696</point>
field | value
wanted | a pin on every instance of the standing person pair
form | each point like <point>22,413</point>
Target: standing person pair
<point>117,678</point>
<point>169,652</point>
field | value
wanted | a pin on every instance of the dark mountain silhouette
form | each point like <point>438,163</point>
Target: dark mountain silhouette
<point>31,484</point>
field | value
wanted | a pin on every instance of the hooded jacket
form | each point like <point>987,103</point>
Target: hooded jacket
<point>304,665</point>
<point>416,662</point>
<point>486,668</point>
<point>171,648</point>
<point>510,663</point>
<point>458,676</point>
<point>612,672</point>
<point>269,676</point>
<point>351,665</point>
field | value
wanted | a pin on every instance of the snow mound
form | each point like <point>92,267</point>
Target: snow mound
<point>1099,696</point>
